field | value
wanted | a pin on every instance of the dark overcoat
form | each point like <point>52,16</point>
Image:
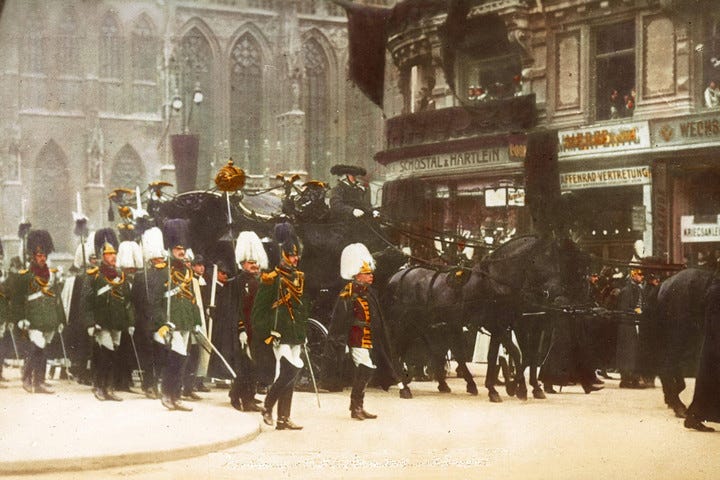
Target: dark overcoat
<point>706,399</point>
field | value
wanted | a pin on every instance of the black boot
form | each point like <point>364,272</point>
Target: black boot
<point>361,379</point>
<point>284,406</point>
<point>691,421</point>
<point>286,379</point>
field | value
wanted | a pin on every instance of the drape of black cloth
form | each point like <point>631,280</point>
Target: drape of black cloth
<point>705,405</point>
<point>226,317</point>
<point>568,359</point>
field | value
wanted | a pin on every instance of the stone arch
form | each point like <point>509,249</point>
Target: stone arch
<point>201,26</point>
<point>52,199</point>
<point>127,169</point>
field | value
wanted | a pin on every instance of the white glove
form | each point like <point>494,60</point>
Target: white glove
<point>197,328</point>
<point>23,324</point>
<point>131,330</point>
<point>376,213</point>
<point>243,337</point>
<point>347,349</point>
<point>91,331</point>
<point>60,328</point>
<point>357,213</point>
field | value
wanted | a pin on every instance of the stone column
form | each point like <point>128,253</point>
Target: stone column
<point>292,137</point>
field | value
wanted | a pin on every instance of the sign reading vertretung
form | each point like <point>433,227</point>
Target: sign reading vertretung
<point>611,177</point>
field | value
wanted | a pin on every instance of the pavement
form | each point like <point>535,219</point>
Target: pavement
<point>71,430</point>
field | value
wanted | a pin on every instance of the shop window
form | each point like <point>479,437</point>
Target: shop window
<point>417,84</point>
<point>710,52</point>
<point>615,71</point>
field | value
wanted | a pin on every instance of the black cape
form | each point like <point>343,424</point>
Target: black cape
<point>706,399</point>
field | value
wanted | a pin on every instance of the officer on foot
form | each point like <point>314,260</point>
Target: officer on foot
<point>280,320</point>
<point>36,296</point>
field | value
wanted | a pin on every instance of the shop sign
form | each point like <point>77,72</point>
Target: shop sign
<point>637,218</point>
<point>691,232</point>
<point>612,177</point>
<point>445,163</point>
<point>686,130</point>
<point>605,139</point>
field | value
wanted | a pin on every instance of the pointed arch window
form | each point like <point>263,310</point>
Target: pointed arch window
<point>32,50</point>
<point>110,49</point>
<point>68,44</point>
<point>316,106</point>
<point>246,103</point>
<point>127,169</point>
<point>144,50</point>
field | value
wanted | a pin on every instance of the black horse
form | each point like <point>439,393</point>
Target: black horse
<point>434,305</point>
<point>681,308</point>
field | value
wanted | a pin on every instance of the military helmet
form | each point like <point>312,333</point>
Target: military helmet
<point>355,259</point>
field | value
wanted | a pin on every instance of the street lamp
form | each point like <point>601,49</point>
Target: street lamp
<point>177,104</point>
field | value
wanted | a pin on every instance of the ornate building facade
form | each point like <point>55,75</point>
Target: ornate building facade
<point>92,92</point>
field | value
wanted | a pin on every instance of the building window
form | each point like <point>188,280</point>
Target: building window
<point>615,70</point>
<point>143,50</point>
<point>32,51</point>
<point>110,50</point>
<point>711,65</point>
<point>246,95</point>
<point>316,107</point>
<point>68,45</point>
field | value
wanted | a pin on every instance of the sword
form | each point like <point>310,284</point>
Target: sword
<point>312,374</point>
<point>12,337</point>
<point>205,342</point>
<point>65,358</point>
<point>137,358</point>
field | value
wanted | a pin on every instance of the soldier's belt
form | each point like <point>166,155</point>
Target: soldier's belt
<point>172,293</point>
<point>104,290</point>
<point>34,296</point>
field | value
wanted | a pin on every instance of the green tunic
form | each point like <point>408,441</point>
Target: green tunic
<point>108,301</point>
<point>37,300</point>
<point>279,306</point>
<point>184,311</point>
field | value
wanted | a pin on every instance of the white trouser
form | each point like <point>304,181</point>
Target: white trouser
<point>289,352</point>
<point>361,356</point>
<point>109,339</point>
<point>40,338</point>
<point>178,341</point>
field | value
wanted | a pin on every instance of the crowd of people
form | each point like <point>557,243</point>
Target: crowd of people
<point>178,319</point>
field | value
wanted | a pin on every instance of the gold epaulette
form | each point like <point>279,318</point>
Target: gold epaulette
<point>160,265</point>
<point>347,291</point>
<point>23,271</point>
<point>53,270</point>
<point>268,278</point>
<point>92,270</point>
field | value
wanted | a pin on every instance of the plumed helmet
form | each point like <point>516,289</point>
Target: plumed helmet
<point>176,233</point>
<point>152,243</point>
<point>249,247</point>
<point>39,241</point>
<point>106,241</point>
<point>223,256</point>
<point>88,247</point>
<point>355,259</point>
<point>355,170</point>
<point>129,255</point>
<point>287,240</point>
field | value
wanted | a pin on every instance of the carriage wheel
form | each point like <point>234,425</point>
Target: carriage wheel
<point>316,336</point>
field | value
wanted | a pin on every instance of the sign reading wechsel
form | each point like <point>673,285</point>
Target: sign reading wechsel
<point>606,139</point>
<point>691,232</point>
<point>449,162</point>
<point>612,177</point>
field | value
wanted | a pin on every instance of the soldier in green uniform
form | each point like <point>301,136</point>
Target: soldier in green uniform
<point>109,313</point>
<point>37,304</point>
<point>180,315</point>
<point>280,320</point>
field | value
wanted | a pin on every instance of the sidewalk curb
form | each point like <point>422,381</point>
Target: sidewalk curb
<point>30,467</point>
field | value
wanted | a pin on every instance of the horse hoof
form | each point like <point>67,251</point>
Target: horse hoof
<point>472,390</point>
<point>405,393</point>
<point>494,397</point>
<point>511,389</point>
<point>539,394</point>
<point>522,395</point>
<point>444,388</point>
<point>680,411</point>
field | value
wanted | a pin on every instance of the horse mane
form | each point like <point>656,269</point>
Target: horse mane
<point>514,247</point>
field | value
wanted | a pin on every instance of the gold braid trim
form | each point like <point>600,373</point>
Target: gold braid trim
<point>366,338</point>
<point>184,281</point>
<point>290,289</point>
<point>114,285</point>
<point>44,287</point>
